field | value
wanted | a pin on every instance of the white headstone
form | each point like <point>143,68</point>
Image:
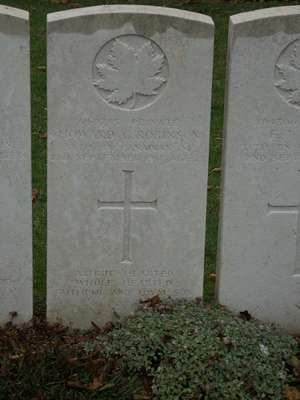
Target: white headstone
<point>15,167</point>
<point>129,92</point>
<point>259,264</point>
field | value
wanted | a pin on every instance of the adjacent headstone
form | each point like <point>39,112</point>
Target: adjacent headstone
<point>15,168</point>
<point>129,93</point>
<point>259,264</point>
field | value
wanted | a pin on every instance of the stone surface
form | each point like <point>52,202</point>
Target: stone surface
<point>259,263</point>
<point>129,91</point>
<point>15,167</point>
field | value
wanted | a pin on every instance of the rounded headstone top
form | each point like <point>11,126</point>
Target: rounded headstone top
<point>129,9</point>
<point>264,14</point>
<point>14,12</point>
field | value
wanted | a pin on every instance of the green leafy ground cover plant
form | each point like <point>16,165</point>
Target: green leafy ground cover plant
<point>166,351</point>
<point>195,352</point>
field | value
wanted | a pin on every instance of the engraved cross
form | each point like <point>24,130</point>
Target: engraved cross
<point>127,205</point>
<point>290,209</point>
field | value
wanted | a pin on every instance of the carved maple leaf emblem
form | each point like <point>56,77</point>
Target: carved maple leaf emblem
<point>130,71</point>
<point>290,76</point>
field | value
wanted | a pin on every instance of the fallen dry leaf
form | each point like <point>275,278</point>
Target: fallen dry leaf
<point>109,326</point>
<point>96,363</point>
<point>35,195</point>
<point>227,342</point>
<point>43,136</point>
<point>75,385</point>
<point>116,315</point>
<point>295,363</point>
<point>199,300</point>
<point>292,393</point>
<point>13,314</point>
<point>152,301</point>
<point>245,315</point>
<point>96,327</point>
<point>97,383</point>
<point>60,1</point>
<point>15,356</point>
<point>72,360</point>
<point>166,338</point>
<point>217,169</point>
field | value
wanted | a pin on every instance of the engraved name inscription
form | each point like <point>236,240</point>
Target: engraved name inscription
<point>165,140</point>
<point>280,142</point>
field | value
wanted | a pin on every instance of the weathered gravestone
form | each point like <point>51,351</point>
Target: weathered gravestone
<point>259,265</point>
<point>15,167</point>
<point>129,110</point>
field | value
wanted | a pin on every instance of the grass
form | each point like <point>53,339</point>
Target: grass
<point>220,12</point>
